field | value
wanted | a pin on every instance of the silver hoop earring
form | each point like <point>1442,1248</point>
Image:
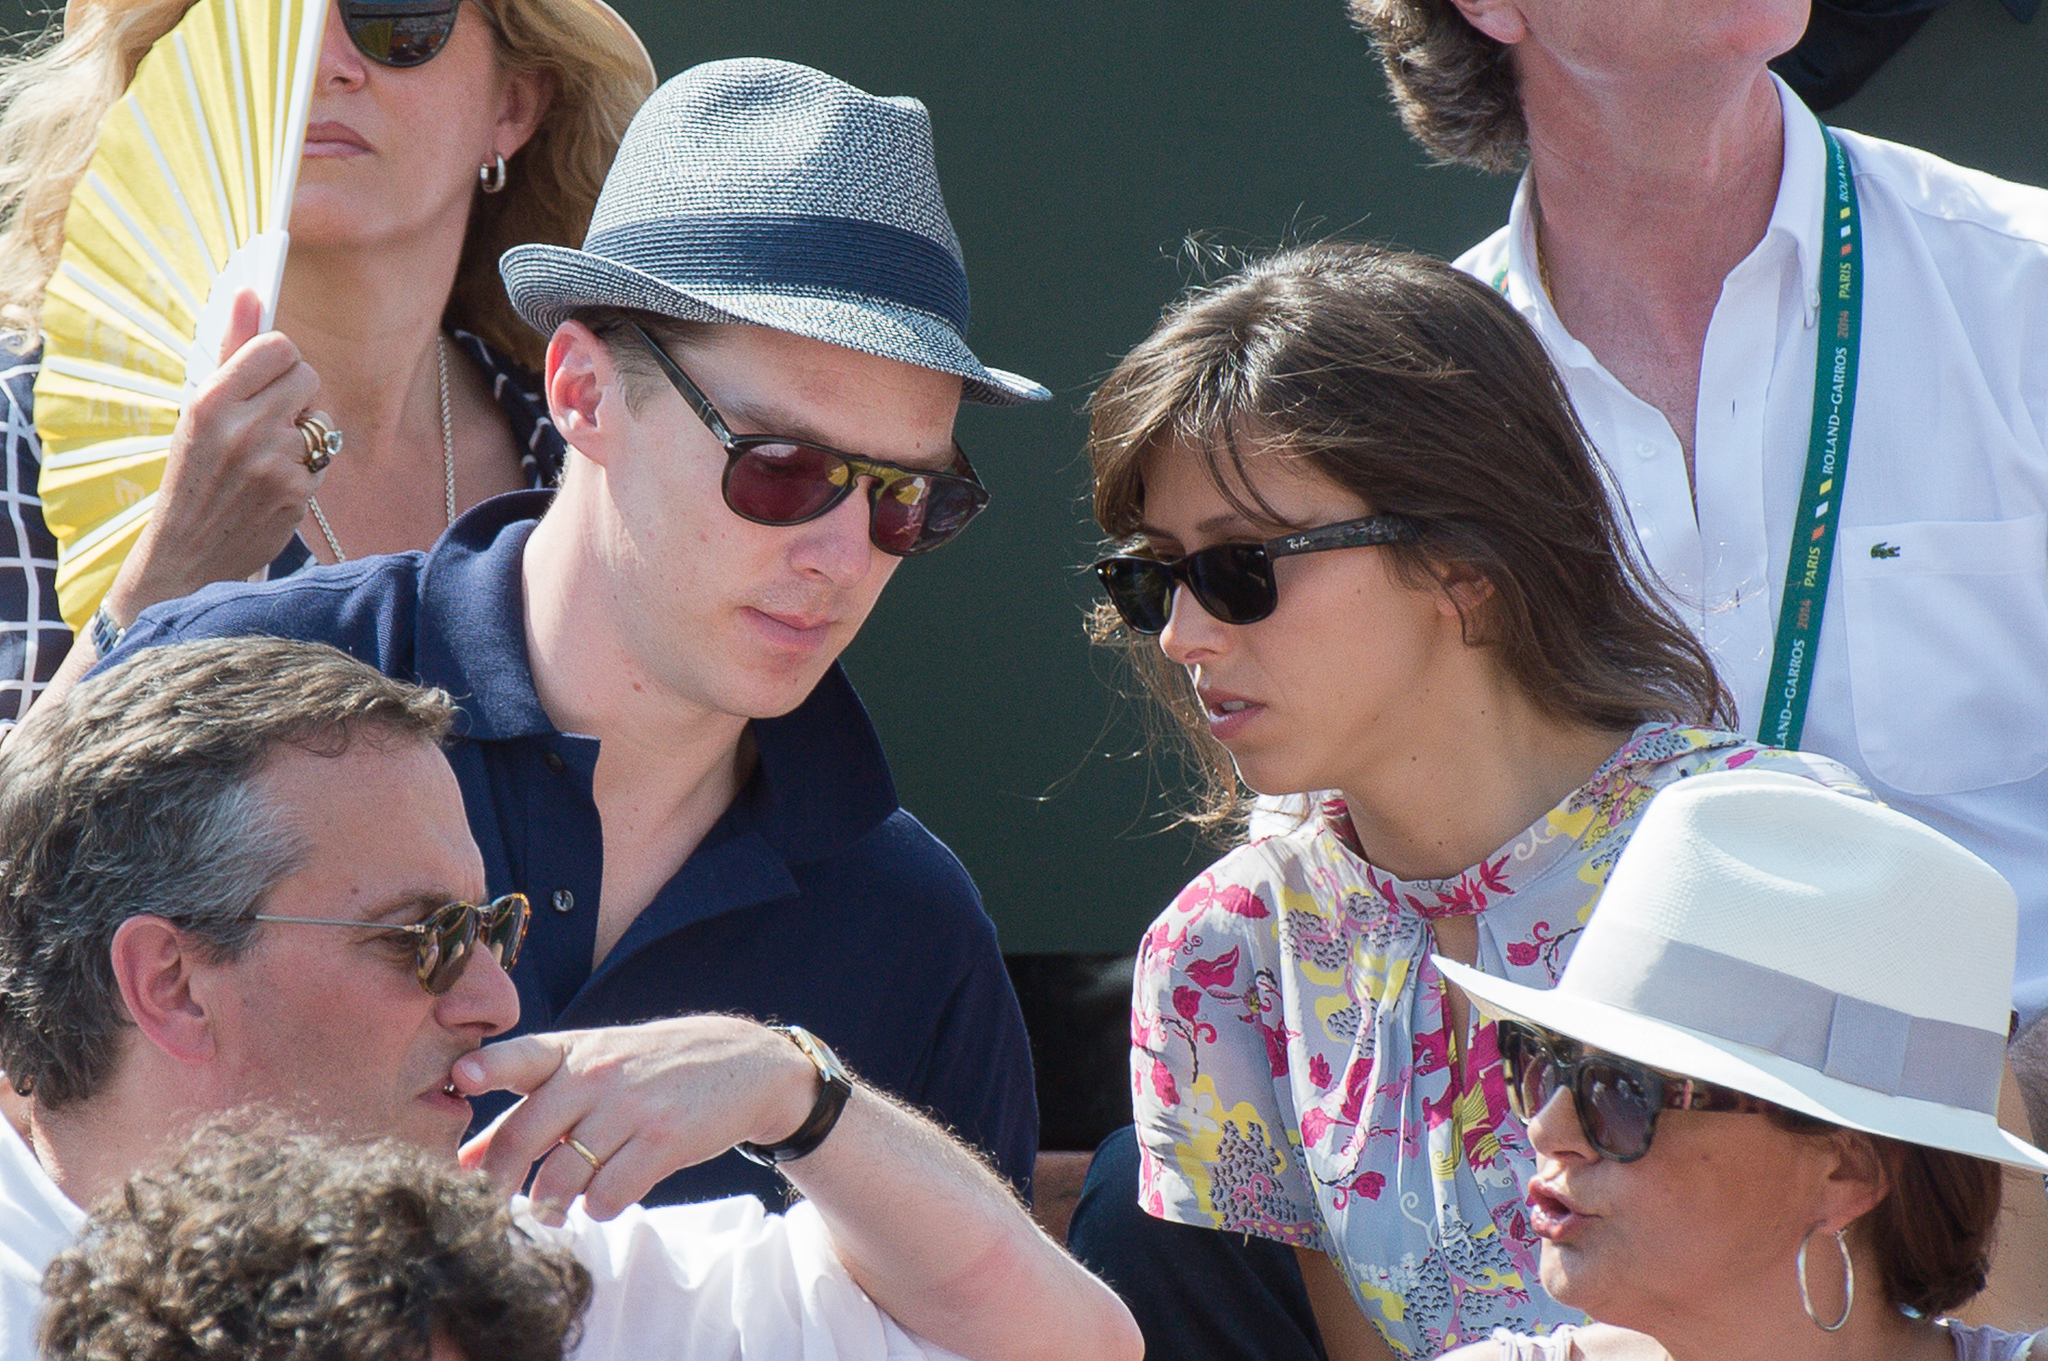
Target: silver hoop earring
<point>492,177</point>
<point>1848,1283</point>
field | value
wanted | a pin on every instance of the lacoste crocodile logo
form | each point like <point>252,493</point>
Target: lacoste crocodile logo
<point>1884,550</point>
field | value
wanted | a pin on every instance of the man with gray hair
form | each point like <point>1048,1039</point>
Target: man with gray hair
<point>236,872</point>
<point>756,359</point>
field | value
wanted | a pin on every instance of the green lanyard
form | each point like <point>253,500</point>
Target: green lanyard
<point>1827,451</point>
<point>1812,552</point>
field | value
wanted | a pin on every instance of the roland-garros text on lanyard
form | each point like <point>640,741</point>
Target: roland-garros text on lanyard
<point>1827,456</point>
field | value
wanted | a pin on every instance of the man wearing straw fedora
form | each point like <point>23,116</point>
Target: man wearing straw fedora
<point>756,360</point>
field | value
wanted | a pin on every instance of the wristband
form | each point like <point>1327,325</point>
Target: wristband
<point>835,1085</point>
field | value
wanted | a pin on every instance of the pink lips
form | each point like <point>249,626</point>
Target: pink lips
<point>1228,714</point>
<point>1551,1217</point>
<point>791,630</point>
<point>334,139</point>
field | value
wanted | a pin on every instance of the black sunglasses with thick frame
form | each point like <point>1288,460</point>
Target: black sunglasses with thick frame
<point>402,33</point>
<point>1232,581</point>
<point>448,936</point>
<point>1617,1100</point>
<point>777,480</point>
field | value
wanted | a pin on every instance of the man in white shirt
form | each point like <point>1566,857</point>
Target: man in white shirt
<point>1668,244</point>
<point>238,872</point>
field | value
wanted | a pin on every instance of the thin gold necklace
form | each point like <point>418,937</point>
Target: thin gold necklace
<point>447,455</point>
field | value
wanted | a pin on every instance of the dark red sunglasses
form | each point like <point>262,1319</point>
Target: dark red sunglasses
<point>775,480</point>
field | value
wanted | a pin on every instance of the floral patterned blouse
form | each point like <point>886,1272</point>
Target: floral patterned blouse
<point>1293,1068</point>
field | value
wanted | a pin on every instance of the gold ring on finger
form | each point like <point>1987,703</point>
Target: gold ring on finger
<point>596,1163</point>
<point>323,441</point>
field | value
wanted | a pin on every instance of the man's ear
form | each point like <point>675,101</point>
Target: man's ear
<point>1500,20</point>
<point>585,399</point>
<point>154,963</point>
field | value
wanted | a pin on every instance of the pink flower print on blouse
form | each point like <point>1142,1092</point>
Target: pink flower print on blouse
<point>1211,974</point>
<point>1465,896</point>
<point>1541,946</point>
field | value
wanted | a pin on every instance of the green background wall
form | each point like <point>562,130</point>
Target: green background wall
<point>1079,144</point>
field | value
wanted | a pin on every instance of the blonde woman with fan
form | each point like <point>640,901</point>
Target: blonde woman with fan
<point>438,135</point>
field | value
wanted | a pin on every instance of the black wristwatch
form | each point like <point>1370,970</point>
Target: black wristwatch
<point>835,1085</point>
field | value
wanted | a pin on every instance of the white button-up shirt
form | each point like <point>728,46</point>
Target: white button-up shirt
<point>721,1281</point>
<point>1932,674</point>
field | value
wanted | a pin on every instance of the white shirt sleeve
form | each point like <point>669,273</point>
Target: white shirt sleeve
<point>723,1280</point>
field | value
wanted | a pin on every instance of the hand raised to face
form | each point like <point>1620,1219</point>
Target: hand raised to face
<point>638,1102</point>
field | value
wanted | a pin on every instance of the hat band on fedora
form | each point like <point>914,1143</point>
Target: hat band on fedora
<point>792,252</point>
<point>1845,1038</point>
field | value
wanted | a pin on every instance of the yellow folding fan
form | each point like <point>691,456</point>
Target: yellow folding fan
<point>185,201</point>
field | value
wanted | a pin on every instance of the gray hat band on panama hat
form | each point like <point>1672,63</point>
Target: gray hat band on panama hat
<point>765,193</point>
<point>1764,932</point>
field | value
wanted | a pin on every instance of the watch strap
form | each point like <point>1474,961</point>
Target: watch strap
<point>834,1087</point>
<point>106,634</point>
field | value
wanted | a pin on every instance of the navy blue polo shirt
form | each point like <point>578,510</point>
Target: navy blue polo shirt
<point>815,899</point>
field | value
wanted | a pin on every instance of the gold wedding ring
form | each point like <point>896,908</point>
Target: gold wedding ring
<point>323,441</point>
<point>596,1163</point>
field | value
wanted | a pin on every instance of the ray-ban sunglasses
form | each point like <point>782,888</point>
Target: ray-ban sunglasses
<point>1232,581</point>
<point>448,937</point>
<point>776,480</point>
<point>400,32</point>
<point>1617,1100</point>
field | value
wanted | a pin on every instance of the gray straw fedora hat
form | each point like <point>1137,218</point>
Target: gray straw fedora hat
<point>763,193</point>
<point>1766,933</point>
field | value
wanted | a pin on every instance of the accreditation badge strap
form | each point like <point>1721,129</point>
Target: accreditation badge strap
<point>1827,457</point>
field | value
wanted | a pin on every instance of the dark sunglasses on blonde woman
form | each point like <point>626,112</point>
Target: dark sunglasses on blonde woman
<point>400,33</point>
<point>448,937</point>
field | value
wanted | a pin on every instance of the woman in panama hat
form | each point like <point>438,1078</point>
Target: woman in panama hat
<point>1763,1095</point>
<point>440,134</point>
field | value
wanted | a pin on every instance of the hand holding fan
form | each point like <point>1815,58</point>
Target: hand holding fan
<point>185,201</point>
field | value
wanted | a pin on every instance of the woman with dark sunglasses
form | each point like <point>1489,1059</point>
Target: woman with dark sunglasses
<point>1363,549</point>
<point>1765,1095</point>
<point>440,133</point>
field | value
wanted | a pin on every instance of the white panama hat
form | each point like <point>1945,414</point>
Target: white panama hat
<point>1823,952</point>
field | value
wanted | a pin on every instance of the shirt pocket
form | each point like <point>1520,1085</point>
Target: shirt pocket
<point>1948,650</point>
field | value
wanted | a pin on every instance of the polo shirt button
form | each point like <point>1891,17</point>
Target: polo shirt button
<point>1646,450</point>
<point>553,762</point>
<point>564,900</point>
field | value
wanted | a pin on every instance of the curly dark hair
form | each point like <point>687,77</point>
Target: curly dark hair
<point>1453,86</point>
<point>278,1246</point>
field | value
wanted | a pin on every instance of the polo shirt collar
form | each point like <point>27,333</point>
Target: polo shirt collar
<point>822,781</point>
<point>472,620</point>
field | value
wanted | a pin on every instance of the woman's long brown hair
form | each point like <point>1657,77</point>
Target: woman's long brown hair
<point>1421,392</point>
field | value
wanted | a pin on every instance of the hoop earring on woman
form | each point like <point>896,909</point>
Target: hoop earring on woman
<point>492,177</point>
<point>1848,1283</point>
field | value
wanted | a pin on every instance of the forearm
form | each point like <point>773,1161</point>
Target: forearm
<point>939,1241</point>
